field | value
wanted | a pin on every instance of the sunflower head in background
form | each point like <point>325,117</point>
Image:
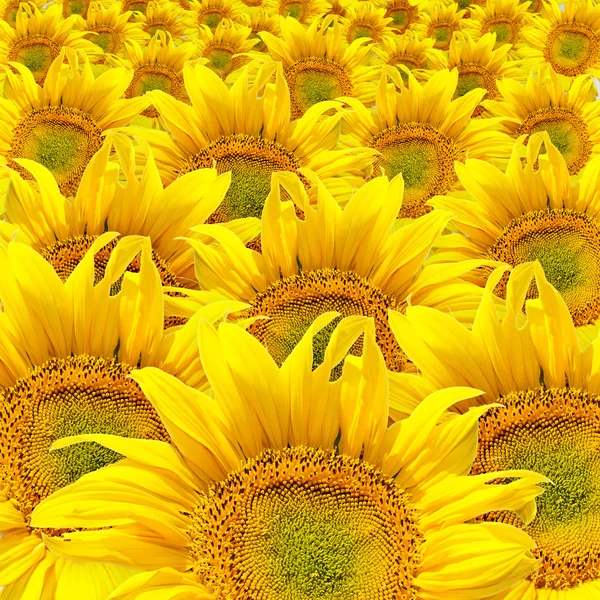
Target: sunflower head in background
<point>289,483</point>
<point>439,22</point>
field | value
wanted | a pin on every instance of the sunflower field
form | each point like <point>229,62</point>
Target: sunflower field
<point>299,300</point>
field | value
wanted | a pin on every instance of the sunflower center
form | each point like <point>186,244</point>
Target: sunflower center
<point>154,26</point>
<point>567,131</point>
<point>36,53</point>
<point>75,7</point>
<point>301,523</point>
<point>62,139</point>
<point>504,28</point>
<point>554,432</point>
<point>360,30</point>
<point>154,77</point>
<point>571,48</point>
<point>107,38</point>
<point>424,156</point>
<point>293,303</point>
<point>135,7</point>
<point>10,13</point>
<point>313,80</point>
<point>567,244</point>
<point>251,160</point>
<point>295,10</point>
<point>211,19</point>
<point>442,34</point>
<point>65,255</point>
<point>221,59</point>
<point>64,397</point>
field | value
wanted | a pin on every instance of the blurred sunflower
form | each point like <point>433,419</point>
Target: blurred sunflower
<point>406,50</point>
<point>318,66</point>
<point>109,27</point>
<point>567,40</point>
<point>571,118</point>
<point>263,21</point>
<point>212,12</point>
<point>223,48</point>
<point>439,22</point>
<point>78,7</point>
<point>9,9</point>
<point>404,14</point>
<point>62,124</point>
<point>546,410</point>
<point>364,20</point>
<point>305,11</point>
<point>252,137</point>
<point>63,229</point>
<point>533,211</point>
<point>338,7</point>
<point>37,39</point>
<point>479,66</point>
<point>286,475</point>
<point>364,265</point>
<point>421,131</point>
<point>135,6</point>
<point>168,17</point>
<point>505,18</point>
<point>157,66</point>
<point>67,352</point>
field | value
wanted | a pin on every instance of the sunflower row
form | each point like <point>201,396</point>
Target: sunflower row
<point>300,300</point>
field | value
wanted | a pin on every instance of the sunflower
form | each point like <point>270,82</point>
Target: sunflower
<point>338,7</point>
<point>62,124</point>
<point>312,495</point>
<point>407,50</point>
<point>567,40</point>
<point>109,27</point>
<point>158,66</point>
<point>571,118</point>
<point>223,47</point>
<point>533,211</point>
<point>63,229</point>
<point>304,11</point>
<point>9,9</point>
<point>468,5</point>
<point>135,6</point>
<point>404,14</point>
<point>168,17</point>
<point>67,352</point>
<point>263,21</point>
<point>439,22</point>
<point>317,66</point>
<point>78,7</point>
<point>364,20</point>
<point>38,38</point>
<point>479,66</point>
<point>546,397</point>
<point>505,18</point>
<point>421,131</point>
<point>212,12</point>
<point>247,130</point>
<point>351,260</point>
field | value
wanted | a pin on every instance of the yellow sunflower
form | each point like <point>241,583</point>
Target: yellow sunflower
<point>289,484</point>
<point>421,131</point>
<point>9,9</point>
<point>248,130</point>
<point>223,49</point>
<point>533,211</point>
<point>158,66</point>
<point>68,349</point>
<point>404,14</point>
<point>571,118</point>
<point>212,12</point>
<point>78,7</point>
<point>364,20</point>
<point>339,7</point>
<point>479,66</point>
<point>505,18</point>
<point>546,395</point>
<point>304,11</point>
<point>134,6</point>
<point>63,229</point>
<point>38,38</point>
<point>351,260</point>
<point>109,28</point>
<point>168,17</point>
<point>407,50</point>
<point>263,21</point>
<point>567,40</point>
<point>318,66</point>
<point>62,124</point>
<point>440,22</point>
